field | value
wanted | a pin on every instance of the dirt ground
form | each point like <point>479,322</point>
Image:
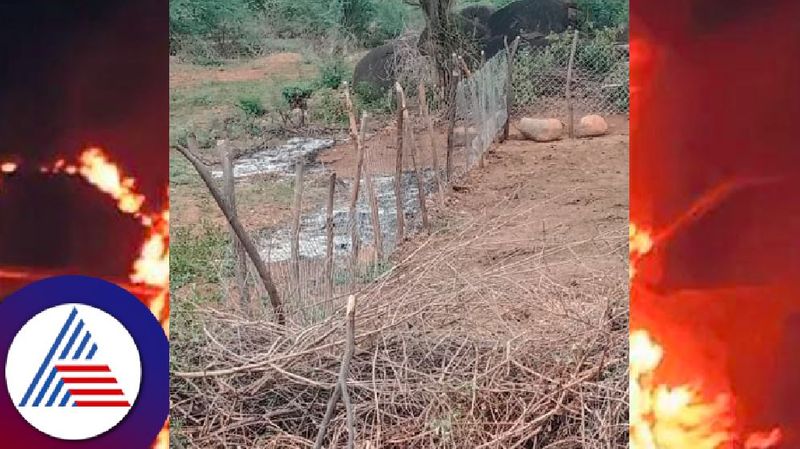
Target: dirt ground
<point>539,196</point>
<point>286,65</point>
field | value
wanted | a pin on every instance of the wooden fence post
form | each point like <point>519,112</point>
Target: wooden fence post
<point>511,54</point>
<point>329,237</point>
<point>398,174</point>
<point>239,255</point>
<point>373,204</point>
<point>451,120</point>
<point>357,138</point>
<point>570,106</point>
<point>420,182</point>
<point>423,107</point>
<point>297,212</point>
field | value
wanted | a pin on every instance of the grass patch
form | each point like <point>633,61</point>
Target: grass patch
<point>197,254</point>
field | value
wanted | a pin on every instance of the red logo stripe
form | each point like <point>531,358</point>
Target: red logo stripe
<point>83,368</point>
<point>90,380</point>
<point>90,392</point>
<point>102,404</point>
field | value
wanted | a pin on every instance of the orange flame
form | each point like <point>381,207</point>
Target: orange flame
<point>663,417</point>
<point>675,417</point>
<point>96,168</point>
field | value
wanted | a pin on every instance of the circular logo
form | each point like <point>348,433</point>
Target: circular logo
<point>73,371</point>
<point>83,363</point>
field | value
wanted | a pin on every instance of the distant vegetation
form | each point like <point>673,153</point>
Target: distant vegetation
<point>212,30</point>
<point>231,28</point>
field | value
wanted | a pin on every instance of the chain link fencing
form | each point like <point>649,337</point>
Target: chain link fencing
<point>599,81</point>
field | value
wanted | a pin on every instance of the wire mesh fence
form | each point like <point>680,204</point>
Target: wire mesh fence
<point>481,110</point>
<point>598,81</point>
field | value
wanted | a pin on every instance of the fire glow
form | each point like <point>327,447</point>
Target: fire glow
<point>675,417</point>
<point>151,267</point>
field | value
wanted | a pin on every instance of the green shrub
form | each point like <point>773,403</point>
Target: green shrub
<point>327,107</point>
<point>252,106</point>
<point>602,13</point>
<point>372,98</point>
<point>332,73</point>
<point>296,95</point>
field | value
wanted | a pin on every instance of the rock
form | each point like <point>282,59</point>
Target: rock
<point>592,126</point>
<point>375,72</point>
<point>541,130</point>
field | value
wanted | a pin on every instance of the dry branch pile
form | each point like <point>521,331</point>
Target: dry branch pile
<point>454,349</point>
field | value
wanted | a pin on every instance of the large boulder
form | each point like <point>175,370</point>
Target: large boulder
<point>472,23</point>
<point>592,126</point>
<point>476,20</point>
<point>531,16</point>
<point>541,130</point>
<point>376,70</point>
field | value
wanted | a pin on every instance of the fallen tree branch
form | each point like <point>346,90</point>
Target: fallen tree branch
<point>250,247</point>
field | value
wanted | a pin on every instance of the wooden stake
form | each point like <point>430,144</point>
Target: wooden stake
<point>511,54</point>
<point>451,123</point>
<point>357,138</point>
<point>420,183</point>
<point>297,210</point>
<point>329,239</point>
<point>250,247</point>
<point>423,108</point>
<point>373,204</point>
<point>340,390</point>
<point>398,174</point>
<point>570,106</point>
<point>239,254</point>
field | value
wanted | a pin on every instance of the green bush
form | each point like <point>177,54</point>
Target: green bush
<point>602,13</point>
<point>598,55</point>
<point>210,30</point>
<point>332,73</point>
<point>327,107</point>
<point>372,98</point>
<point>252,106</point>
<point>296,95</point>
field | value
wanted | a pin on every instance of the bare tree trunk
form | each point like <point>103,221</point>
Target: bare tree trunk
<point>263,272</point>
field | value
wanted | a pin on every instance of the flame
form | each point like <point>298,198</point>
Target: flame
<point>664,417</point>
<point>675,417</point>
<point>151,268</point>
<point>106,176</point>
<point>8,167</point>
